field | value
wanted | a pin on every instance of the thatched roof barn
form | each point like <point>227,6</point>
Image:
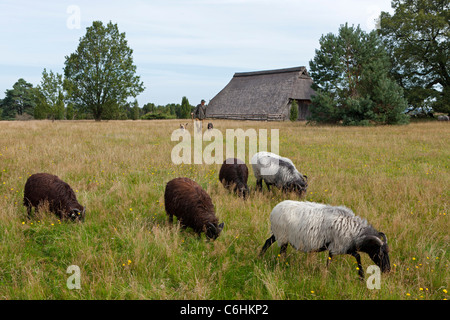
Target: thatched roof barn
<point>263,95</point>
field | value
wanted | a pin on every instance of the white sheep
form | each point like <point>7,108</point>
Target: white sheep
<point>310,226</point>
<point>278,171</point>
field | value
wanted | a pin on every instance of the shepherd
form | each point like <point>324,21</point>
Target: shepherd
<point>199,114</point>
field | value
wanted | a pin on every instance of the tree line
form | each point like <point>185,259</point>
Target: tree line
<point>48,101</point>
<point>360,78</point>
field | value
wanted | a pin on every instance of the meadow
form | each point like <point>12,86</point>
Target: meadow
<point>397,177</point>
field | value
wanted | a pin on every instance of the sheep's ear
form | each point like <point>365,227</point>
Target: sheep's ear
<point>220,226</point>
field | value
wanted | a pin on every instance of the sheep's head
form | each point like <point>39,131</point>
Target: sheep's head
<point>299,186</point>
<point>242,190</point>
<point>77,214</point>
<point>377,249</point>
<point>213,231</point>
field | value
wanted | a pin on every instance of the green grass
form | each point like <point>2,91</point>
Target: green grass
<point>397,177</point>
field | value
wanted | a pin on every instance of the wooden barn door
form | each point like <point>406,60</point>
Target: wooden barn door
<point>303,109</point>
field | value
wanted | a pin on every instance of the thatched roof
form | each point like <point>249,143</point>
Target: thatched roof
<point>261,95</point>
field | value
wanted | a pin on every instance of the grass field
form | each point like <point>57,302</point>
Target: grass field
<point>397,177</point>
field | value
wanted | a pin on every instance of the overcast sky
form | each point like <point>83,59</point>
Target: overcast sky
<point>181,48</point>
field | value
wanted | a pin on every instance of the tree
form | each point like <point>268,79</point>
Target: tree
<point>51,100</point>
<point>100,75</point>
<point>184,111</point>
<point>417,38</point>
<point>293,113</point>
<point>350,72</point>
<point>19,100</point>
<point>135,111</point>
<point>148,107</point>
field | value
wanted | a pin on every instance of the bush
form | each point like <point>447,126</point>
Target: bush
<point>293,114</point>
<point>156,116</point>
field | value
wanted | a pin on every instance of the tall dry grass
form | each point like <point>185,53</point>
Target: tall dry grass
<point>397,177</point>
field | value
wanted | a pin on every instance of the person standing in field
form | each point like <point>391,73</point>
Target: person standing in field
<point>199,114</point>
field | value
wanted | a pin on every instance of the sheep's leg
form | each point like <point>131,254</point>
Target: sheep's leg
<point>27,204</point>
<point>283,249</point>
<point>29,211</point>
<point>268,185</point>
<point>259,184</point>
<point>360,269</point>
<point>267,245</point>
<point>171,218</point>
<point>330,256</point>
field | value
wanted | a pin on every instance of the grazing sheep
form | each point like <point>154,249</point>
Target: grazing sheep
<point>210,126</point>
<point>310,226</point>
<point>278,171</point>
<point>42,188</point>
<point>183,126</point>
<point>186,200</point>
<point>443,118</point>
<point>234,173</point>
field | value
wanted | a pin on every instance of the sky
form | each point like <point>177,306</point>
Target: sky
<point>181,48</point>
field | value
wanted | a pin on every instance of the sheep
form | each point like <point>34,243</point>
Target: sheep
<point>234,173</point>
<point>443,118</point>
<point>193,207</point>
<point>41,188</point>
<point>278,171</point>
<point>310,226</point>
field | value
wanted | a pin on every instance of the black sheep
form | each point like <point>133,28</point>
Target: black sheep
<point>234,174</point>
<point>193,207</point>
<point>42,188</point>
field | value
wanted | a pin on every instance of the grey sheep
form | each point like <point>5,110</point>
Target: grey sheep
<point>278,171</point>
<point>42,188</point>
<point>310,226</point>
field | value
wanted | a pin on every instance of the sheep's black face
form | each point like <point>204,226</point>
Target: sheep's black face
<point>377,249</point>
<point>243,192</point>
<point>213,232</point>
<point>300,186</point>
<point>381,258</point>
<point>77,215</point>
